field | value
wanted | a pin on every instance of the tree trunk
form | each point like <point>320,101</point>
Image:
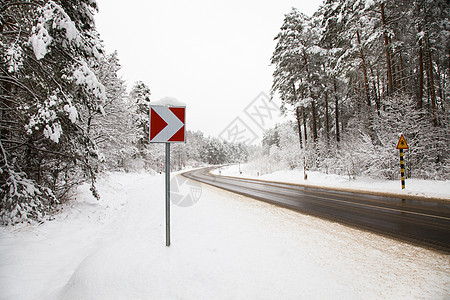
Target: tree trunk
<point>297,112</point>
<point>378,89</point>
<point>441,85</point>
<point>314,120</point>
<point>363,61</point>
<point>427,72</point>
<point>396,76</point>
<point>336,103</point>
<point>420,100</point>
<point>327,124</point>
<point>304,118</point>
<point>384,88</point>
<point>304,126</point>
<point>386,47</point>
<point>402,67</point>
<point>375,90</point>
<point>305,59</point>
<point>432,90</point>
<point>299,125</point>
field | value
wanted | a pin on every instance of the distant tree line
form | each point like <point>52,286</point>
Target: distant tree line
<point>198,149</point>
<point>360,72</point>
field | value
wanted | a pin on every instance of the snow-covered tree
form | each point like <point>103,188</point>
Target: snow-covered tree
<point>48,53</point>
<point>291,64</point>
<point>140,99</point>
<point>114,130</point>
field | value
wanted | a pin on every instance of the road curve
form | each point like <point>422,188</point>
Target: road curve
<point>424,223</point>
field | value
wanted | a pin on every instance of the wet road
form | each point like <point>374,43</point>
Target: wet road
<point>425,223</point>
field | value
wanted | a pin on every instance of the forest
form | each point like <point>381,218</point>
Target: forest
<point>353,76</point>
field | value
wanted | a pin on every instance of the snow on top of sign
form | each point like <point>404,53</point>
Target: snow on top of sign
<point>168,101</point>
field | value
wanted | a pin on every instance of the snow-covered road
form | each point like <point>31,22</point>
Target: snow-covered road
<point>225,246</point>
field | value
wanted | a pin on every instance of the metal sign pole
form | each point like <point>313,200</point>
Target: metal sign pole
<point>167,194</point>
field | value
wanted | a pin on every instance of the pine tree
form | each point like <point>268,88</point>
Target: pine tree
<point>140,99</point>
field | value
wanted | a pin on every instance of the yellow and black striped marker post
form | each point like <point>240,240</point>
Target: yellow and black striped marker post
<point>402,145</point>
<point>402,167</point>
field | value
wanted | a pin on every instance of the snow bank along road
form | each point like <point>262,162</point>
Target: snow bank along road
<point>223,247</point>
<point>426,223</point>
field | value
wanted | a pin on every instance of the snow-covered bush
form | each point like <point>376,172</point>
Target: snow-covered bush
<point>365,149</point>
<point>281,149</point>
<point>428,153</point>
<point>22,199</point>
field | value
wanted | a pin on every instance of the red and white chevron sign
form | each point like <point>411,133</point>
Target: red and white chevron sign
<point>167,124</point>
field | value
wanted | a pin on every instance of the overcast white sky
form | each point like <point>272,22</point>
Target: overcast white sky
<point>212,55</point>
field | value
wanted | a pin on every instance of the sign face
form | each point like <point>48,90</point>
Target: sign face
<point>402,143</point>
<point>167,124</point>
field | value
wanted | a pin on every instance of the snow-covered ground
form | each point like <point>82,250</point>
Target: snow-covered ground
<point>225,246</point>
<point>414,187</point>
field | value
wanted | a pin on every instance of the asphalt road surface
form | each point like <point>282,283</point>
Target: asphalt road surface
<point>425,223</point>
